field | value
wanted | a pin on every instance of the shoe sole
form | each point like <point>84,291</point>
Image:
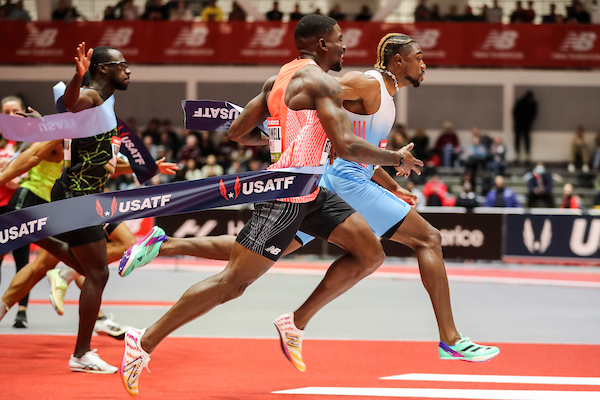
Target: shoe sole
<point>120,336</point>
<point>91,371</point>
<point>126,269</point>
<point>477,359</point>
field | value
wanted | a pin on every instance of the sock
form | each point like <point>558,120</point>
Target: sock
<point>102,318</point>
<point>68,274</point>
<point>3,309</point>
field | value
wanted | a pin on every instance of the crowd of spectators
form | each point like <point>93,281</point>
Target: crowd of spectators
<point>209,10</point>
<point>575,13</point>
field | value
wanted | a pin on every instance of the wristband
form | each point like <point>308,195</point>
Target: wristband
<point>401,159</point>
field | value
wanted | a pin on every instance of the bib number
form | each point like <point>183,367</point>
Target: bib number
<point>111,165</point>
<point>274,128</point>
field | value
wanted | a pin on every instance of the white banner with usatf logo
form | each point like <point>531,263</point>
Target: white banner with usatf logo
<point>86,123</point>
<point>31,224</point>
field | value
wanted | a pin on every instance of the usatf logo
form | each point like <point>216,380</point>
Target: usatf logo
<point>191,37</point>
<point>106,214</point>
<point>116,37</point>
<point>582,42</point>
<point>26,228</point>
<point>216,112</point>
<point>505,40</point>
<point>145,203</point>
<point>537,246</point>
<point>267,37</point>
<point>257,187</point>
<point>42,38</point>
<point>231,195</point>
<point>427,38</point>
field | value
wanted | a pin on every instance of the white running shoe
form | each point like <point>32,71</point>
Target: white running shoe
<point>58,289</point>
<point>291,340</point>
<point>134,361</point>
<point>92,363</point>
<point>109,327</point>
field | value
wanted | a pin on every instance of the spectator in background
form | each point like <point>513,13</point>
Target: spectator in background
<point>7,8</point>
<point>237,13</point>
<point>19,13</point>
<point>579,153</point>
<point>181,12</point>
<point>274,14</point>
<point>296,14</point>
<point>475,157</point>
<point>364,14</point>
<point>466,198</point>
<point>519,15</point>
<point>596,157</point>
<point>207,146</point>
<point>189,150</point>
<point>500,195</point>
<point>483,17</point>
<point>494,14</point>
<point>317,11</point>
<point>497,160</point>
<point>539,187</point>
<point>192,172</point>
<point>434,13</point>
<point>553,17</point>
<point>156,11</point>
<point>129,11</point>
<point>578,14</point>
<point>422,151</point>
<point>61,11</point>
<point>211,168</point>
<point>336,13</point>
<point>152,148</point>
<point>468,16</point>
<point>109,14</point>
<point>421,12</point>
<point>524,113</point>
<point>212,12</point>
<point>447,146</point>
<point>436,193</point>
<point>153,130</point>
<point>452,15</point>
<point>529,13</point>
<point>421,200</point>
<point>569,200</point>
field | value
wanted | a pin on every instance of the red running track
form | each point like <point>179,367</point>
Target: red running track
<point>35,367</point>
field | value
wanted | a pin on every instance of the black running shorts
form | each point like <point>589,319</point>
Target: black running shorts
<point>274,224</point>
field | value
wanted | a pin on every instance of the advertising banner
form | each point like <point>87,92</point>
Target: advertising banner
<point>272,43</point>
<point>552,238</point>
<point>464,236</point>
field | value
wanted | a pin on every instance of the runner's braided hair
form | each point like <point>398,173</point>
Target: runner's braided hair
<point>389,45</point>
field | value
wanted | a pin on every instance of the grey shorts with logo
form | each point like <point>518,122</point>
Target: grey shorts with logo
<point>274,224</point>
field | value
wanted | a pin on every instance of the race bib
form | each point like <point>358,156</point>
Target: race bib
<point>67,153</point>
<point>111,165</point>
<point>326,152</point>
<point>274,128</point>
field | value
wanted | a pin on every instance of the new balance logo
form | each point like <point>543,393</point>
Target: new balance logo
<point>584,41</point>
<point>496,40</point>
<point>292,340</point>
<point>273,250</point>
<point>191,37</point>
<point>267,37</point>
<point>352,37</point>
<point>43,38</point>
<point>427,38</point>
<point>116,37</point>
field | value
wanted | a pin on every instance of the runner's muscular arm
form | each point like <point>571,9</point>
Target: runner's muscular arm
<point>29,159</point>
<point>243,129</point>
<point>362,93</point>
<point>328,99</point>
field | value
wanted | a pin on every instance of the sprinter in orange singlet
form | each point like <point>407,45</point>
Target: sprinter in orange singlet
<point>305,111</point>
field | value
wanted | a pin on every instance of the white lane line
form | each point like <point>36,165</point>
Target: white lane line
<point>541,380</point>
<point>445,393</point>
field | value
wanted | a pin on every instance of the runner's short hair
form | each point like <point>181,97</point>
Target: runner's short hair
<point>313,25</point>
<point>100,55</point>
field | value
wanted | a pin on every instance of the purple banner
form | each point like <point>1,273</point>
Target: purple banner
<point>211,115</point>
<point>132,147</point>
<point>31,224</point>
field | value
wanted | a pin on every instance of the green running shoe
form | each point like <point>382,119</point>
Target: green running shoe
<point>142,252</point>
<point>466,350</point>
